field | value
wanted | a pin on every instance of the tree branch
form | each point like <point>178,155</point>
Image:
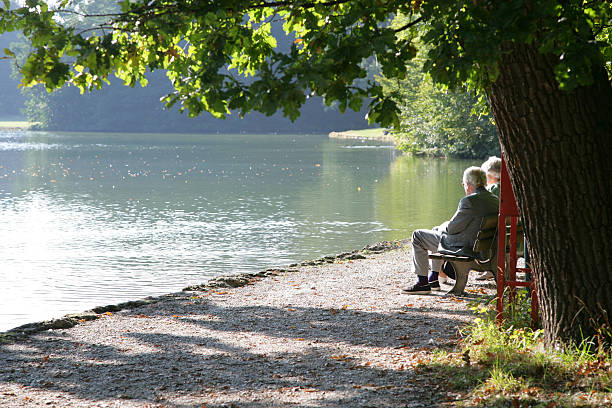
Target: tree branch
<point>408,25</point>
<point>152,8</point>
<point>289,3</point>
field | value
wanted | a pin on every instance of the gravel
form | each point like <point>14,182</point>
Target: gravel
<point>336,332</point>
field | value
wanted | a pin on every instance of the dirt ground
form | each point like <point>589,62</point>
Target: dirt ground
<point>319,334</point>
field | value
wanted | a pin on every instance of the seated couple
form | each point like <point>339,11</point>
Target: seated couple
<point>457,235</point>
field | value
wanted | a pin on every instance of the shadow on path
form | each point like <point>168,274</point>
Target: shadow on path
<point>251,356</point>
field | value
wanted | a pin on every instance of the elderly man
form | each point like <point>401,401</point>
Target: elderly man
<point>493,169</point>
<point>457,235</point>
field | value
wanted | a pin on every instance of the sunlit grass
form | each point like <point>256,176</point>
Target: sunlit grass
<point>503,380</point>
<point>510,366</point>
<point>369,133</point>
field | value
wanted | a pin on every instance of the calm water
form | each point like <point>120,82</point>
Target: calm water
<point>95,219</point>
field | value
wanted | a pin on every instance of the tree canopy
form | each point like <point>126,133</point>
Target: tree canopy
<point>544,66</point>
<point>434,119</point>
<point>116,107</point>
<point>221,56</point>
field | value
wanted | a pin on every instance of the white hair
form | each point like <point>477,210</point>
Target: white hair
<point>492,167</point>
<point>475,176</point>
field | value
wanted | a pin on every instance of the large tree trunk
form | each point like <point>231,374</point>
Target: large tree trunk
<point>558,148</point>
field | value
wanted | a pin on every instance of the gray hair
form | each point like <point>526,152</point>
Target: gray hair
<point>492,166</point>
<point>475,176</point>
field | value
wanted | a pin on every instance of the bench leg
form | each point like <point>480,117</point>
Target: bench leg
<point>462,270</point>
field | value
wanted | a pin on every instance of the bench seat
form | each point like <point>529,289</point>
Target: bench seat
<point>455,258</point>
<point>485,245</point>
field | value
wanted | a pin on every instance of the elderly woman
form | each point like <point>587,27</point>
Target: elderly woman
<point>493,169</point>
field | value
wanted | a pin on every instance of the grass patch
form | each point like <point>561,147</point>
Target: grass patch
<point>367,133</point>
<point>375,133</point>
<point>509,366</point>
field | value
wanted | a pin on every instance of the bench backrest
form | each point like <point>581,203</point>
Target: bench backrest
<point>486,240</point>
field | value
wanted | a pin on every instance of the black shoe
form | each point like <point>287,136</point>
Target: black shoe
<point>418,289</point>
<point>435,285</point>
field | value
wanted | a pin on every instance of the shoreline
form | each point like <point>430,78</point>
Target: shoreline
<point>225,281</point>
<point>14,129</point>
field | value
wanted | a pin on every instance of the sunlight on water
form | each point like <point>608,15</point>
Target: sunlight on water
<point>95,219</point>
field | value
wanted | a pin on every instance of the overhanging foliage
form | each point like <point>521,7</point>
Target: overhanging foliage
<point>221,56</point>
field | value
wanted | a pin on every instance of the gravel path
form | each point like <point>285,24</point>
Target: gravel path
<point>335,334</point>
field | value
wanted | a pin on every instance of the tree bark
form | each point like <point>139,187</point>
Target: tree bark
<point>557,146</point>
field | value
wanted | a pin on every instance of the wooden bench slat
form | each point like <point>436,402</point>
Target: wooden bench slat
<point>448,257</point>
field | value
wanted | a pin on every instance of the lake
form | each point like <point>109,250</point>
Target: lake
<point>96,219</point>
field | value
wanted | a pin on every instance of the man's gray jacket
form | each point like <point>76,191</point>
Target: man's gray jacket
<point>459,234</point>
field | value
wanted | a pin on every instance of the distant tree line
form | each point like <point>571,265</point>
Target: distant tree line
<point>120,108</point>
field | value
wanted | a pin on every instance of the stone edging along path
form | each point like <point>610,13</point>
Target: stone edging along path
<point>229,281</point>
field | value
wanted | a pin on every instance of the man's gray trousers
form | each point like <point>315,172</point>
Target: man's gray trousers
<point>423,241</point>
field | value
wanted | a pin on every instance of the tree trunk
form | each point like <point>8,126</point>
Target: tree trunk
<point>558,146</point>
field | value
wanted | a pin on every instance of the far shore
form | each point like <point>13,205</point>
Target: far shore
<point>379,134</point>
<point>373,134</point>
<point>15,125</point>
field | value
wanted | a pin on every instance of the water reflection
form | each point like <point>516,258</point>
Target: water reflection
<point>419,193</point>
<point>91,219</point>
